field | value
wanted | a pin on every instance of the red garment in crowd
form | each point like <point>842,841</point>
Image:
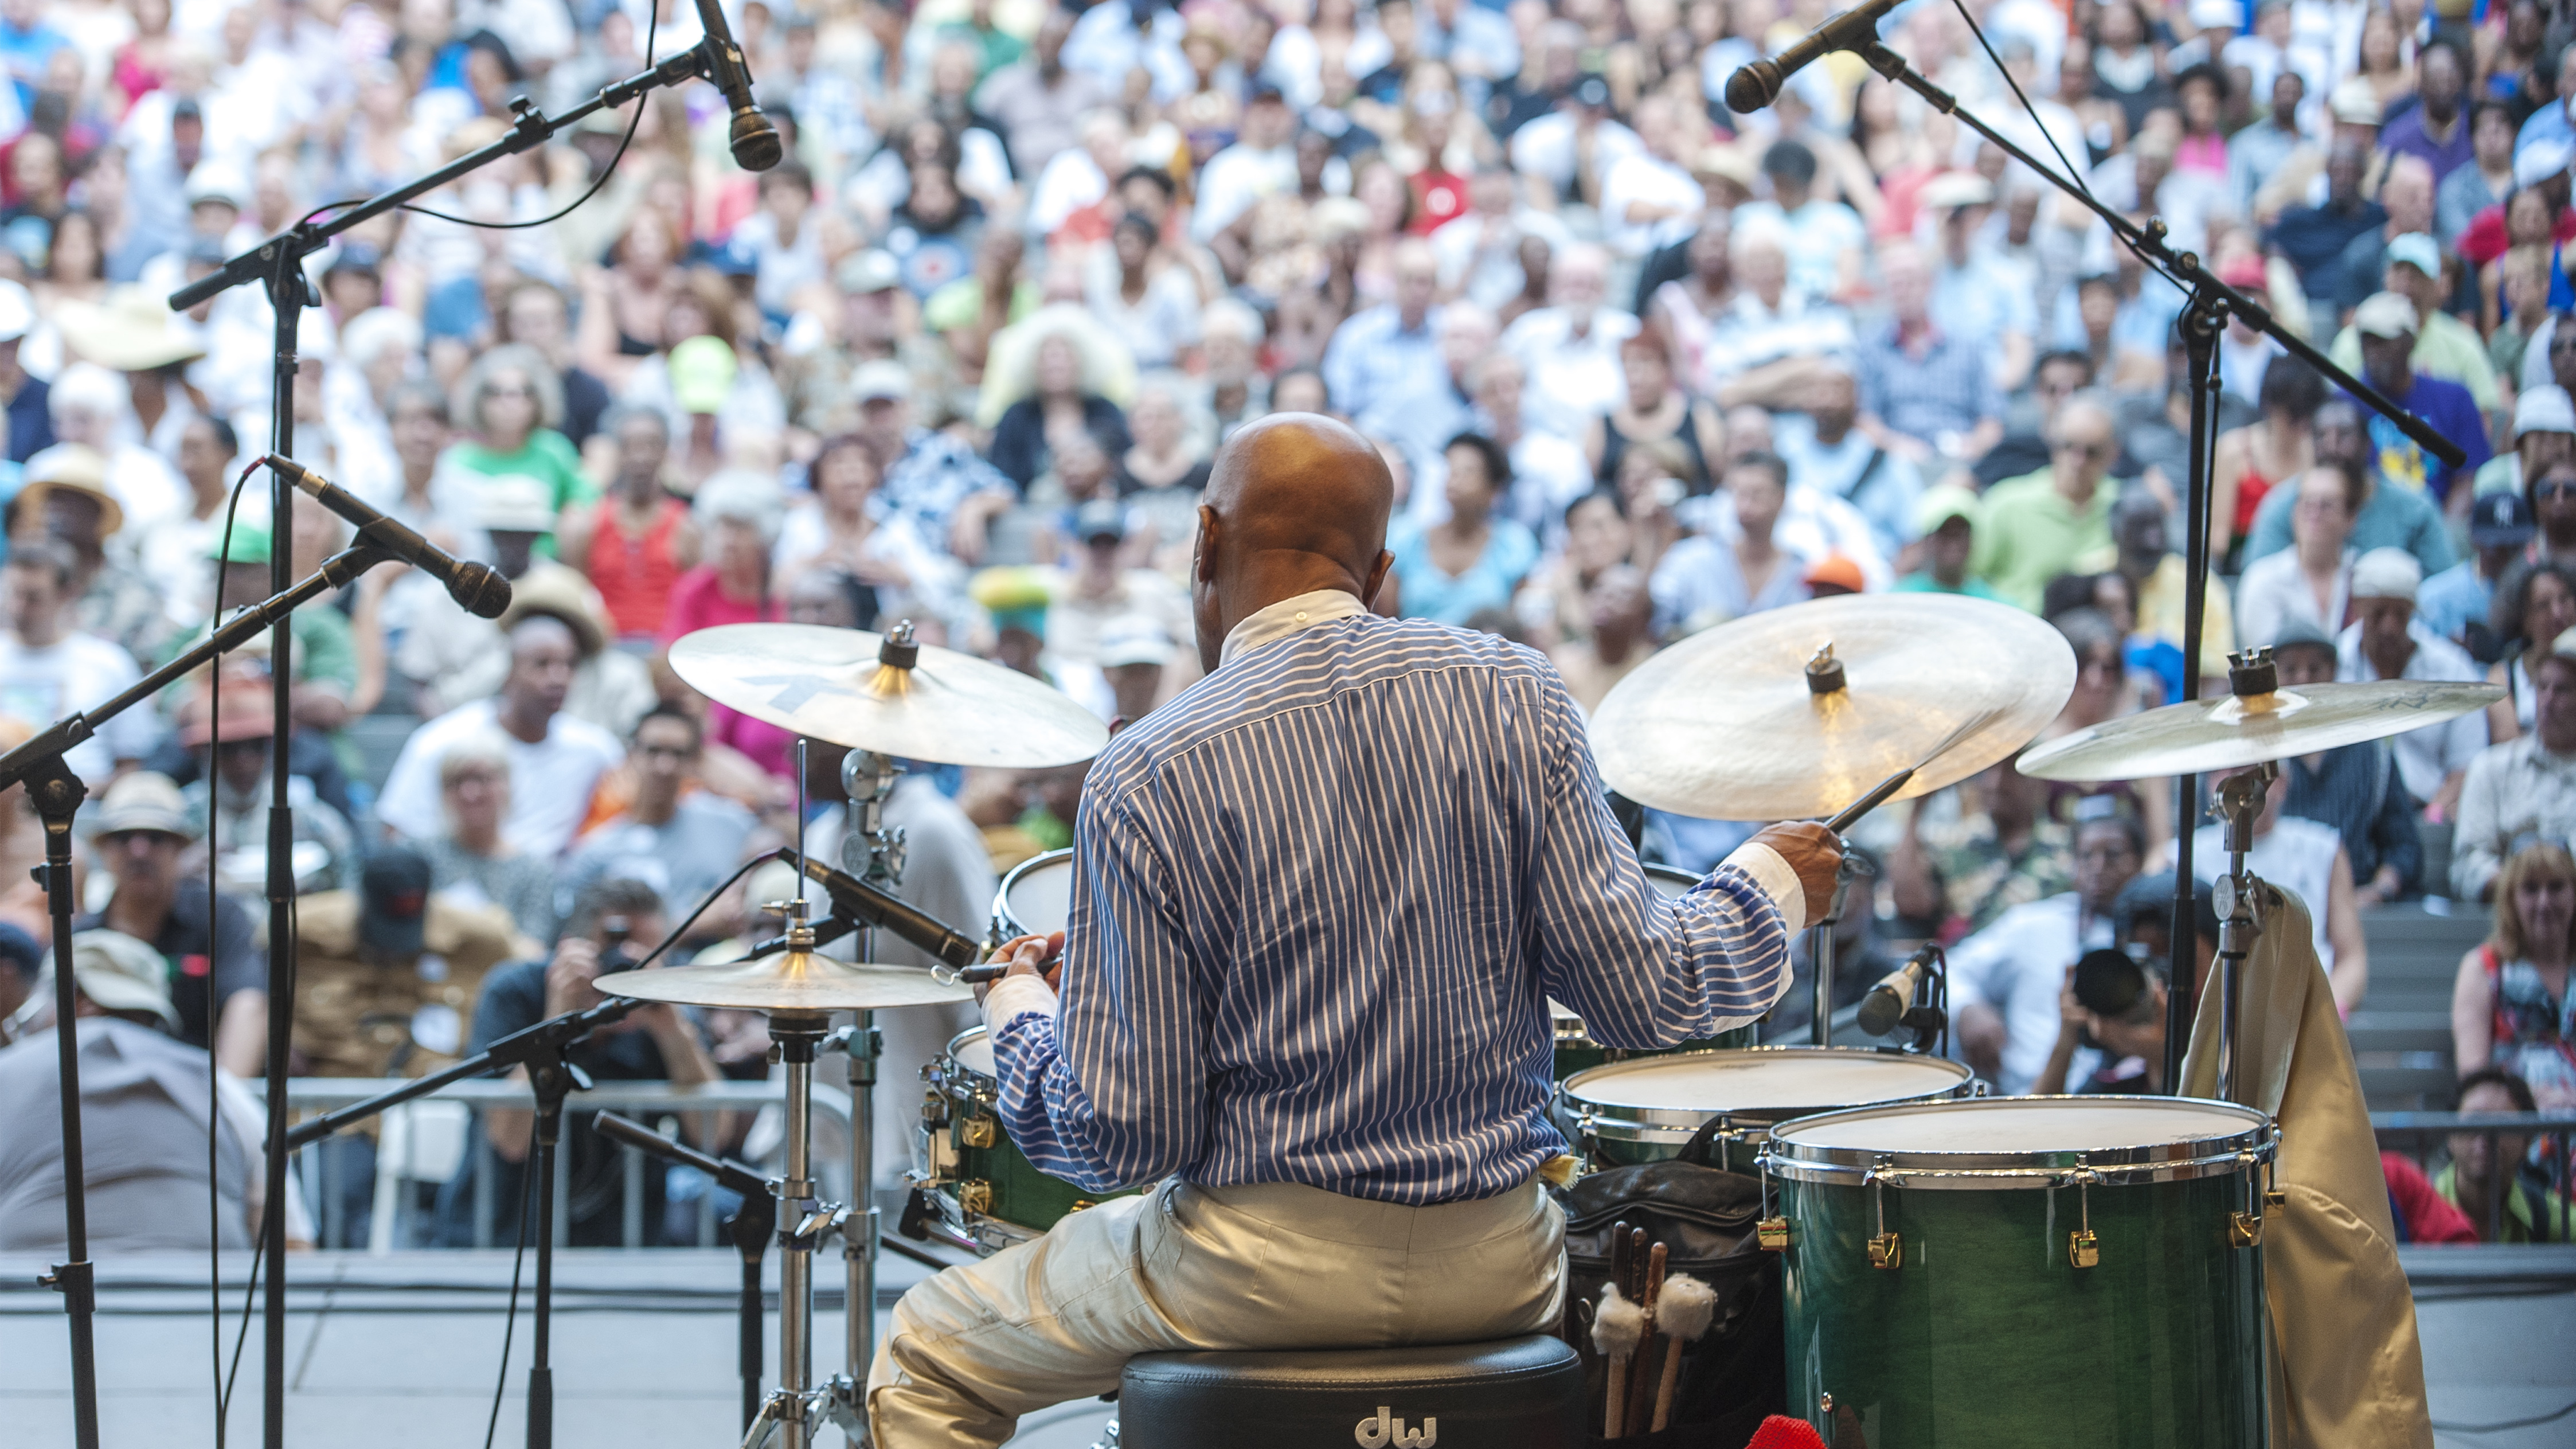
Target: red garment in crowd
<point>634,575</point>
<point>2423,1215</point>
<point>1439,198</point>
<point>2483,240</point>
<point>698,601</point>
<point>2249,500</point>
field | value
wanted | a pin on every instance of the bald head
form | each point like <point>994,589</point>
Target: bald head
<point>1296,502</point>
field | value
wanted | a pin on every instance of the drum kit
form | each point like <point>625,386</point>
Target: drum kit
<point>2117,1237</point>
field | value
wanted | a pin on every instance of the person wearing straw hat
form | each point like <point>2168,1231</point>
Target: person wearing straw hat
<point>133,332</point>
<point>217,983</point>
<point>147,1103</point>
<point>66,499</point>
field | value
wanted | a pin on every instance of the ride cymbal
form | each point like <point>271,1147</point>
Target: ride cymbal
<point>2200,736</point>
<point>787,981</point>
<point>1750,721</point>
<point>887,694</point>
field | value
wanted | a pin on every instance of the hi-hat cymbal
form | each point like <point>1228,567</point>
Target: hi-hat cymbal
<point>787,981</point>
<point>2202,735</point>
<point>838,685</point>
<point>1725,725</point>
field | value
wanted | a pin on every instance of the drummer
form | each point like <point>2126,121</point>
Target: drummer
<point>1319,903</point>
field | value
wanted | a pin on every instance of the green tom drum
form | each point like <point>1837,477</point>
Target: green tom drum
<point>988,1195</point>
<point>1634,1112</point>
<point>1576,1051</point>
<point>2019,1272</point>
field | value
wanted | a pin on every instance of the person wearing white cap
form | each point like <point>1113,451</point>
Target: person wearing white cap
<point>2387,641</point>
<point>2389,325</point>
<point>2544,432</point>
<point>2445,346</point>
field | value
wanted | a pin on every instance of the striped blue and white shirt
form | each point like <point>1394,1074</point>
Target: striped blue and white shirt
<point>1319,903</point>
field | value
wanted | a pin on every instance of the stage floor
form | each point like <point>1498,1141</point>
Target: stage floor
<point>401,1352</point>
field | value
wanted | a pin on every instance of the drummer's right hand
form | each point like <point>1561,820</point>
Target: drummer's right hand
<point>1814,852</point>
<point>1029,956</point>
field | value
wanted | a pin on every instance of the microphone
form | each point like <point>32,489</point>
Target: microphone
<point>1757,85</point>
<point>756,146</point>
<point>477,588</point>
<point>1884,1008</point>
<point>856,899</point>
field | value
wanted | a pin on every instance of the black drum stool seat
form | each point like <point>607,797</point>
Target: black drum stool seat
<point>1514,1393</point>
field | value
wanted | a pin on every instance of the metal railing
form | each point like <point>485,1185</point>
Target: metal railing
<point>320,1172</point>
<point>2553,1135</point>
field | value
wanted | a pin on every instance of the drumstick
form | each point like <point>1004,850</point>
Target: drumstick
<point>1683,1311</point>
<point>1616,1330</point>
<point>1850,814</point>
<point>1645,1369</point>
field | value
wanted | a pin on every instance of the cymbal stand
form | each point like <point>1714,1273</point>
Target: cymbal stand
<point>873,851</point>
<point>801,1221</point>
<point>2240,802</point>
<point>1820,951</point>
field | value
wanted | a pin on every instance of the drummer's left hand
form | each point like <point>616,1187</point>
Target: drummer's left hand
<point>1030,956</point>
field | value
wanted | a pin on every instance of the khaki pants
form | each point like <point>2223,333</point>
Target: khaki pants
<point>1270,1266</point>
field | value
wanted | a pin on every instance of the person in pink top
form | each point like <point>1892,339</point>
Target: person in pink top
<point>738,514</point>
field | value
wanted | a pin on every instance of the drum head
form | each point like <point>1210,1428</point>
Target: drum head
<point>2119,1137</point>
<point>1806,1078</point>
<point>1037,896</point>
<point>973,1050</point>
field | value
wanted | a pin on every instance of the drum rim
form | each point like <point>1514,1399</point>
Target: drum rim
<point>1002,893</point>
<point>1622,1122</point>
<point>1999,1171</point>
<point>949,1060</point>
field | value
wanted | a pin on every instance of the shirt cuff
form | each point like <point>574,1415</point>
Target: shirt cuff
<point>1017,996</point>
<point>1777,880</point>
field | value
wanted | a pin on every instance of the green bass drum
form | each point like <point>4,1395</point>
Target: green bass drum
<point>2025,1272</point>
<point>983,1193</point>
<point>1576,1050</point>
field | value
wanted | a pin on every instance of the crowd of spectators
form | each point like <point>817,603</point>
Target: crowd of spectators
<point>1640,365</point>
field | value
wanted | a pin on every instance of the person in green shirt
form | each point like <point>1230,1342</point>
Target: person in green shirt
<point>511,402</point>
<point>1946,519</point>
<point>2447,347</point>
<point>2032,528</point>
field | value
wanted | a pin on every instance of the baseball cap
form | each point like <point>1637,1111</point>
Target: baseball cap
<point>2385,314</point>
<point>216,181</point>
<point>2416,250</point>
<point>702,373</point>
<point>1134,639</point>
<point>879,379</point>
<point>1941,504</point>
<point>2387,573</point>
<point>2544,409</point>
<point>2541,158</point>
<point>873,270</point>
<point>2500,519</point>
<point>144,800</point>
<point>393,902</point>
<point>1836,571</point>
<point>2296,632</point>
<point>2218,14</point>
<point>1099,518</point>
<point>121,973</point>
<point>514,503</point>
<point>1955,188</point>
<point>2354,103</point>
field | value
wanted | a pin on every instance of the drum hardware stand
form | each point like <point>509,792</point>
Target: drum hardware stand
<point>2252,680</point>
<point>750,1228</point>
<point>868,778</point>
<point>1820,942</point>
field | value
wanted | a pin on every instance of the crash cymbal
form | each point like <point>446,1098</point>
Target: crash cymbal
<point>855,688</point>
<point>2203,735</point>
<point>787,981</point>
<point>1728,725</point>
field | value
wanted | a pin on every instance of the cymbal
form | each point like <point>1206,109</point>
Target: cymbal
<point>839,685</point>
<point>1724,725</point>
<point>787,981</point>
<point>2202,735</point>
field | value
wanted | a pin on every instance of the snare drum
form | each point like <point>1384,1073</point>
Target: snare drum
<point>1642,1111</point>
<point>2026,1271</point>
<point>988,1194</point>
<point>1035,898</point>
<point>1576,1051</point>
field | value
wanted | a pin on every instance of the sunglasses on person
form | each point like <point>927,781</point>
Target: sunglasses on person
<point>2096,452</point>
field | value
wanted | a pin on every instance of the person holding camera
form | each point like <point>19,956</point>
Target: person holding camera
<point>2113,1008</point>
<point>656,1042</point>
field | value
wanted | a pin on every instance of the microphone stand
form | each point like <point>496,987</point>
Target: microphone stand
<point>750,1228</point>
<point>2204,316</point>
<point>277,267</point>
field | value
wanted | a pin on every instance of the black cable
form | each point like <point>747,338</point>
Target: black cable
<point>510,1323</point>
<point>214,1083</point>
<point>2534,1421</point>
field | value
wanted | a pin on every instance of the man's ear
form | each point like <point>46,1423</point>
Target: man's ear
<point>1376,578</point>
<point>1203,556</point>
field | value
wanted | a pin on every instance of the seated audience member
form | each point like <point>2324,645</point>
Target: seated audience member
<point>1704,580</point>
<point>2534,604</point>
<point>386,978</point>
<point>2417,1210</point>
<point>1925,395</point>
<point>2310,584</point>
<point>1995,848</point>
<point>230,800</point>
<point>49,669</point>
<point>2118,1003</point>
<point>679,839</point>
<point>68,500</point>
<point>218,985</point>
<point>2446,349</point>
<point>474,863</point>
<point>2159,579</point>
<point>555,759</point>
<point>2544,435</point>
<point>1828,451</point>
<point>2385,517</point>
<point>1620,614</point>
<point>612,924</point>
<point>147,1104</point>
<point>21,960</point>
<point>636,540</point>
<point>2307,860</point>
<point>2005,981</point>
<point>1571,345</point>
<point>2492,1181</point>
<point>1475,558</point>
<point>2032,528</point>
<point>1555,601</point>
<point>2146,926</point>
<point>2388,326</point>
<point>1946,521</point>
<point>2355,789</point>
<point>2522,790</point>
<point>2387,641</point>
<point>1653,406</point>
<point>2507,1003</point>
<point>2454,603</point>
